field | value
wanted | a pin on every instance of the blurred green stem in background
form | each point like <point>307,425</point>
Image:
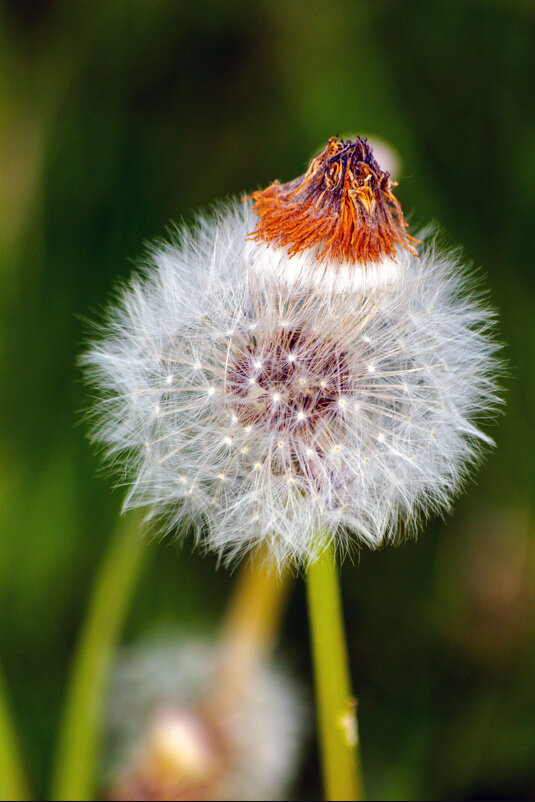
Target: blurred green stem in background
<point>338,733</point>
<point>251,624</point>
<point>13,783</point>
<point>77,749</point>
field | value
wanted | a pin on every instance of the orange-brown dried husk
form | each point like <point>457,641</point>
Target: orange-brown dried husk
<point>343,207</point>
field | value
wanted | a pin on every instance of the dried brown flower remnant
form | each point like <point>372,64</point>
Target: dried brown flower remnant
<point>343,206</point>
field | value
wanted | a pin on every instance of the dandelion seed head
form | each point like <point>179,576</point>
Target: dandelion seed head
<point>168,738</point>
<point>374,434</point>
<point>353,369</point>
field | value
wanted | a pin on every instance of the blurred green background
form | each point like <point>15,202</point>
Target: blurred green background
<point>118,117</point>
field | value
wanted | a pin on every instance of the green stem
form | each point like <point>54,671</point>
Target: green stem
<point>13,784</point>
<point>250,626</point>
<point>81,726</point>
<point>337,721</point>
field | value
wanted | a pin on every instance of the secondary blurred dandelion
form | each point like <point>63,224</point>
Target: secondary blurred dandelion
<point>315,381</point>
<point>170,738</point>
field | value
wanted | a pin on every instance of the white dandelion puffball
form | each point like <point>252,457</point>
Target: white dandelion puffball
<point>319,380</point>
<point>169,738</point>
